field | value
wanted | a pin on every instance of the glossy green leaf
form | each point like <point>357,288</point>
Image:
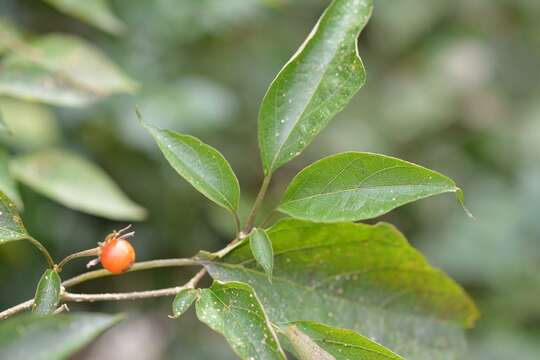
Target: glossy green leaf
<point>182,301</point>
<point>261,248</point>
<point>47,293</point>
<point>62,70</point>
<point>311,340</point>
<point>233,310</point>
<point>354,186</point>
<point>51,337</point>
<point>7,184</point>
<point>94,12</point>
<point>357,276</point>
<point>76,183</point>
<point>314,85</point>
<point>11,225</point>
<point>201,165</point>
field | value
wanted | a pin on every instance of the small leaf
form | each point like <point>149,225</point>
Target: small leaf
<point>233,310</point>
<point>62,70</point>
<point>355,186</point>
<point>201,165</point>
<point>11,225</point>
<point>261,247</point>
<point>183,301</point>
<point>7,184</point>
<point>311,340</point>
<point>51,337</point>
<point>76,183</point>
<point>316,83</point>
<point>47,293</point>
<point>94,12</point>
<point>363,277</point>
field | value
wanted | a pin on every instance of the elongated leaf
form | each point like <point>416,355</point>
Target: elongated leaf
<point>355,186</point>
<point>11,225</point>
<point>314,85</point>
<point>362,277</point>
<point>95,12</point>
<point>233,310</point>
<point>47,293</point>
<point>312,340</point>
<point>34,83</point>
<point>50,337</point>
<point>62,70</point>
<point>39,129</point>
<point>261,248</point>
<point>201,165</point>
<point>182,301</point>
<point>7,184</point>
<point>76,183</point>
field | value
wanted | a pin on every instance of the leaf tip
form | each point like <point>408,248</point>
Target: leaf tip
<point>461,199</point>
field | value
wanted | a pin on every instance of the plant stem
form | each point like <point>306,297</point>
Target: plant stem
<point>136,295</point>
<point>145,265</point>
<point>257,204</point>
<point>86,253</point>
<point>43,250</point>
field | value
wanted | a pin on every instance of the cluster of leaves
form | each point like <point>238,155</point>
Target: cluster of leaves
<point>298,284</point>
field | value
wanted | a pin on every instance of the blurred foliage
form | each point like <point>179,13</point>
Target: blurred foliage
<point>454,86</point>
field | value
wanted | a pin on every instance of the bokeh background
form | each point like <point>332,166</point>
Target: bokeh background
<point>452,85</point>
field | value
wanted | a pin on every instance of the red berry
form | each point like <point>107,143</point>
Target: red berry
<point>117,255</point>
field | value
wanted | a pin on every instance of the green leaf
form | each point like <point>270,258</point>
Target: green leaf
<point>47,293</point>
<point>261,248</point>
<point>201,165</point>
<point>7,184</point>
<point>10,35</point>
<point>314,85</point>
<point>39,129</point>
<point>182,301</point>
<point>311,340</point>
<point>76,183</point>
<point>50,337</point>
<point>233,310</point>
<point>354,186</point>
<point>94,12</point>
<point>62,70</point>
<point>11,225</point>
<point>357,276</point>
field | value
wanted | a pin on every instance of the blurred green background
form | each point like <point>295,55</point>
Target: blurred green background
<point>452,85</point>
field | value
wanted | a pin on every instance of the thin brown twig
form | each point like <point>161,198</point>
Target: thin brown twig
<point>145,265</point>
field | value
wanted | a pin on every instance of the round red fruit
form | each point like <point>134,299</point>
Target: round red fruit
<point>117,255</point>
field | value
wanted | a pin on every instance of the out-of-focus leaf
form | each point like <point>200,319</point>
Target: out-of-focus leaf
<point>51,337</point>
<point>311,340</point>
<point>355,186</point>
<point>314,85</point>
<point>30,125</point>
<point>261,248</point>
<point>7,184</point>
<point>9,35</point>
<point>363,277</point>
<point>233,310</point>
<point>182,301</point>
<point>34,83</point>
<point>201,165</point>
<point>62,70</point>
<point>11,225</point>
<point>95,12</point>
<point>47,293</point>
<point>76,183</point>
